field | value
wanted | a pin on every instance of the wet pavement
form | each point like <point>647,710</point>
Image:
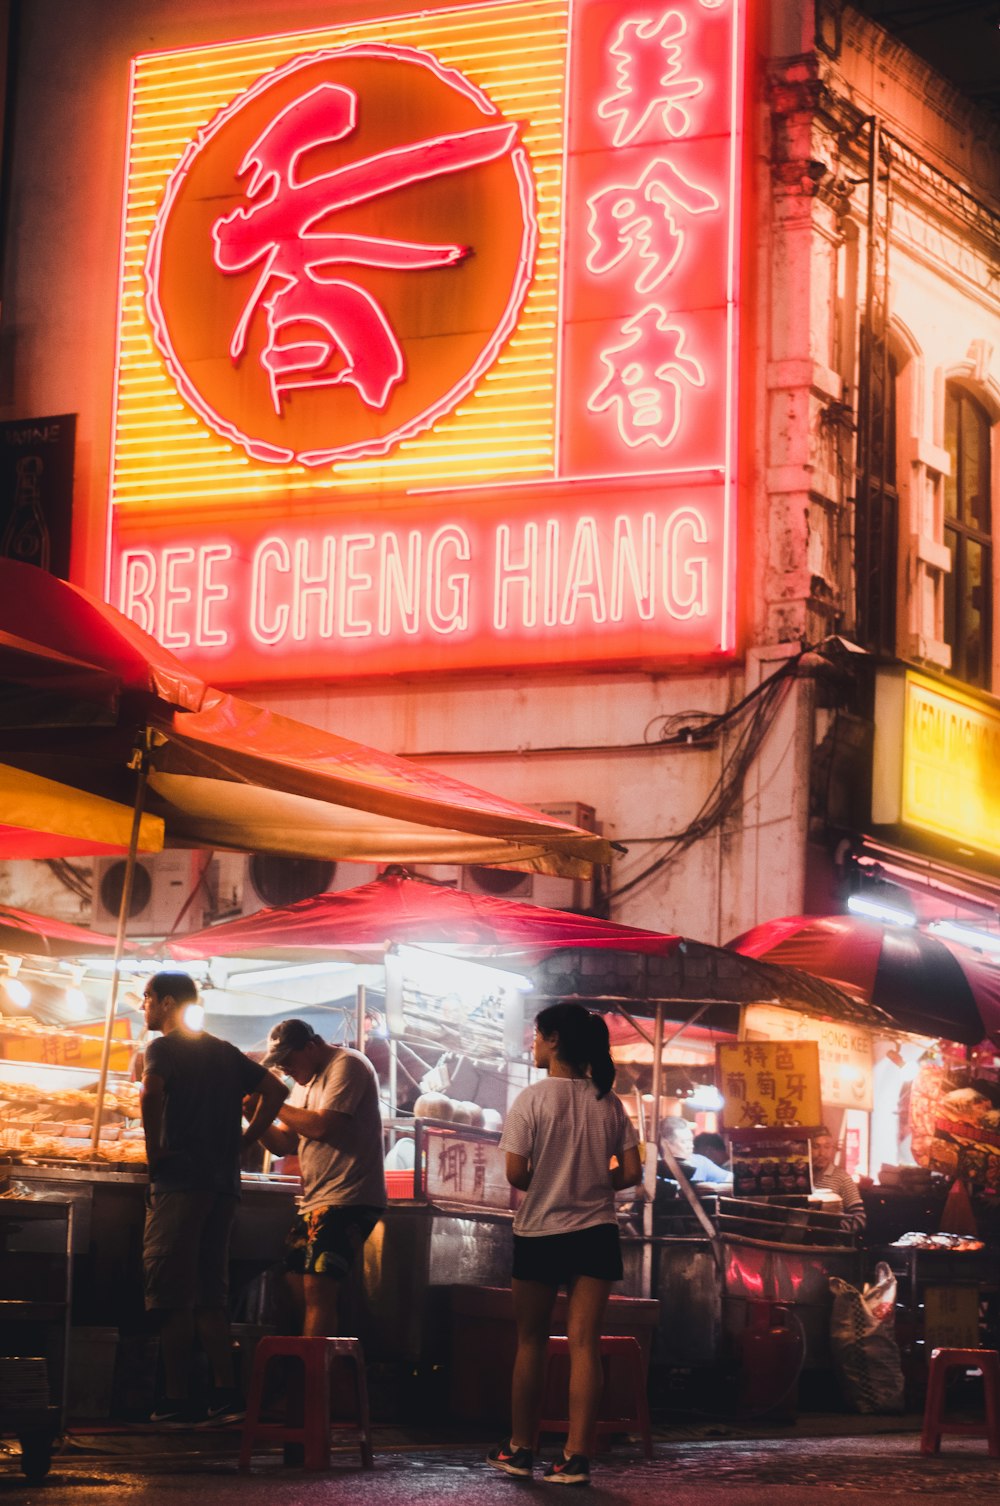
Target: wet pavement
<point>856,1464</point>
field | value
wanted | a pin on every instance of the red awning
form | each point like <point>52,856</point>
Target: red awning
<point>226,773</point>
<point>398,909</point>
<point>37,936</point>
<point>925,983</point>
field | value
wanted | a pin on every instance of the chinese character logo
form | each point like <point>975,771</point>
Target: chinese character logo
<point>651,85</point>
<point>644,380</point>
<point>644,221</point>
<point>341,254</point>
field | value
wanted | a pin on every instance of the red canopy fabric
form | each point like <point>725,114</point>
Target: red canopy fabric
<point>226,773</point>
<point>397,908</point>
<point>44,619</point>
<point>38,936</point>
<point>924,982</point>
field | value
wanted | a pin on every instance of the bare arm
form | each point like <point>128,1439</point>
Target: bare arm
<point>314,1124</point>
<point>628,1172</point>
<point>151,1102</point>
<point>271,1096</point>
<point>280,1141</point>
<point>519,1172</point>
<point>294,1123</point>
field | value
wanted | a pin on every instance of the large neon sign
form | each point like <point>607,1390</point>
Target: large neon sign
<point>404,305</point>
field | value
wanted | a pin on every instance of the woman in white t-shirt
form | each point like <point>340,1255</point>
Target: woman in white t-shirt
<point>561,1136</point>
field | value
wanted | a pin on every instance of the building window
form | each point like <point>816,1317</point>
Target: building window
<point>968,604</point>
<point>877,523</point>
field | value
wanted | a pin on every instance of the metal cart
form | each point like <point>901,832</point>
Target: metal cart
<point>35,1274</point>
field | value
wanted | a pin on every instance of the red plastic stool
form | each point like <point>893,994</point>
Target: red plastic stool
<point>943,1360</point>
<point>613,1346</point>
<point>317,1356</point>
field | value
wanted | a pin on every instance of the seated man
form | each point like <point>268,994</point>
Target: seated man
<point>714,1148</point>
<point>678,1134</point>
<point>832,1179</point>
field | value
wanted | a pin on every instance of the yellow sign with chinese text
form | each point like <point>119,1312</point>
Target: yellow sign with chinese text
<point>769,1084</point>
<point>951,1317</point>
<point>951,748</point>
<point>845,1051</point>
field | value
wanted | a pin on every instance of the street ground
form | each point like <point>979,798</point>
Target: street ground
<point>848,1460</point>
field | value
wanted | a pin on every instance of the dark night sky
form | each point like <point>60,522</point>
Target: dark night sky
<point>960,38</point>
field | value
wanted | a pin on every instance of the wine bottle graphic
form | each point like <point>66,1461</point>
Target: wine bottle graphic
<point>26,535</point>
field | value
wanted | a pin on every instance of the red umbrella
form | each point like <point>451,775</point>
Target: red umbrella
<point>638,965</point>
<point>398,908</point>
<point>926,984</point>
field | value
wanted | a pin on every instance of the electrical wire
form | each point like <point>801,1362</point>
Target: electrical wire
<point>751,718</point>
<point>75,879</point>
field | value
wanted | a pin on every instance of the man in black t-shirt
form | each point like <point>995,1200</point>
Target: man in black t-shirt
<point>193,1086</point>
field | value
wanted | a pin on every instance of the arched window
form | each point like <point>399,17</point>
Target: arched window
<point>968,597</point>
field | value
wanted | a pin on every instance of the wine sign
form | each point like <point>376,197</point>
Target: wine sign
<point>36,491</point>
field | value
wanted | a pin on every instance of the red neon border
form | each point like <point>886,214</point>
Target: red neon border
<point>376,445</point>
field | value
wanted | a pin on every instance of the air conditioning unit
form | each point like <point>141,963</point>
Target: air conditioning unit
<point>562,893</point>
<point>164,884</point>
<point>539,888</point>
<point>448,875</point>
<point>498,883</point>
<point>267,880</point>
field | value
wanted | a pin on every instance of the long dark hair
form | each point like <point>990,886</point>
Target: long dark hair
<point>584,1043</point>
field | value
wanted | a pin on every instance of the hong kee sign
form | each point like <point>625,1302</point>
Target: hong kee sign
<point>428,341</point>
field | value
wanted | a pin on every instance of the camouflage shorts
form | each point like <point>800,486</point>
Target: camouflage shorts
<point>324,1241</point>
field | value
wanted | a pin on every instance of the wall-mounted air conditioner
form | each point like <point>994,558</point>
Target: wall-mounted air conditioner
<point>265,880</point>
<point>499,883</point>
<point>539,888</point>
<point>171,891</point>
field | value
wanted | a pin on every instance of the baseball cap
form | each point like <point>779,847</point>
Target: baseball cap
<point>285,1037</point>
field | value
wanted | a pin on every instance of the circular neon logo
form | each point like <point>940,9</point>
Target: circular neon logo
<point>341,254</point>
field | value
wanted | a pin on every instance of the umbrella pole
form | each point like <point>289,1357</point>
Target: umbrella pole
<point>123,914</point>
<point>359,1028</point>
<point>652,1144</point>
<point>393,1087</point>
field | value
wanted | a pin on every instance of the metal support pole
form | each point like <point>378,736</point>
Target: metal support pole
<point>124,910</point>
<point>652,1145</point>
<point>393,1087</point>
<point>359,1028</point>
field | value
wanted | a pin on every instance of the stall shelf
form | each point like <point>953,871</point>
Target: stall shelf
<point>760,1252</point>
<point>36,1241</point>
<point>944,1298</point>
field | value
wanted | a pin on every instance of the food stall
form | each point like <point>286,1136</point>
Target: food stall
<point>450,1040</point>
<point>721,1257</point>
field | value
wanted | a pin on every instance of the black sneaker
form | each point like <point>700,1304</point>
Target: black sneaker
<point>224,1407</point>
<point>513,1461</point>
<point>572,1471</point>
<point>175,1414</point>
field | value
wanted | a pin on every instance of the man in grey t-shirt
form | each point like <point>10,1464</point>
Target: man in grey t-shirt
<point>332,1121</point>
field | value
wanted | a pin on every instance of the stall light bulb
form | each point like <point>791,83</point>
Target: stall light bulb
<point>76,1003</point>
<point>706,1099</point>
<point>439,973</point>
<point>193,1017</point>
<point>17,992</point>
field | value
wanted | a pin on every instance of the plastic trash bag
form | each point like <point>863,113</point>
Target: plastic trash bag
<point>863,1342</point>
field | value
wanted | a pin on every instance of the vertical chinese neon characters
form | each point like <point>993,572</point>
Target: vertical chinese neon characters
<point>641,225</point>
<point>428,341</point>
<point>312,269</point>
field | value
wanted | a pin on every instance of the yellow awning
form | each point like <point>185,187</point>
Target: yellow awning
<point>42,818</point>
